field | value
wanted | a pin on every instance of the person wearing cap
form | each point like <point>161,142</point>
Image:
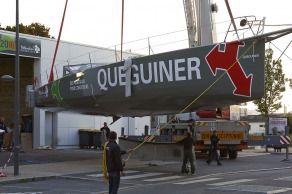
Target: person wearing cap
<point>189,144</point>
<point>213,148</point>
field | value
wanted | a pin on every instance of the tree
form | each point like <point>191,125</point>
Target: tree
<point>274,86</point>
<point>36,29</point>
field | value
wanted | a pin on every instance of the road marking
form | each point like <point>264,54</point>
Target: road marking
<point>196,181</point>
<point>279,190</point>
<point>288,178</point>
<point>163,178</point>
<point>253,189</point>
<point>141,175</point>
<point>231,182</point>
<point>253,154</point>
<point>244,171</point>
<point>101,175</point>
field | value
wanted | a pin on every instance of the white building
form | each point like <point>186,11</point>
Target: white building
<point>36,55</point>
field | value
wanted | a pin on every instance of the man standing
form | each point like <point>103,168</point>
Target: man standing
<point>3,129</point>
<point>114,163</point>
<point>103,139</point>
<point>105,127</point>
<point>189,144</point>
<point>214,147</point>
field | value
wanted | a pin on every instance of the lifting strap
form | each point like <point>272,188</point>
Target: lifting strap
<point>51,78</point>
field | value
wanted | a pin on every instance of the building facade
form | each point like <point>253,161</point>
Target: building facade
<point>48,128</point>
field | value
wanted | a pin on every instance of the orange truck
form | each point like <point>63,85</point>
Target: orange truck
<point>233,135</point>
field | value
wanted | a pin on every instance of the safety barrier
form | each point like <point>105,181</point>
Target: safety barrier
<point>10,156</point>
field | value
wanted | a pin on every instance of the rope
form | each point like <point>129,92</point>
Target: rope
<point>104,169</point>
<point>130,153</point>
<point>208,88</point>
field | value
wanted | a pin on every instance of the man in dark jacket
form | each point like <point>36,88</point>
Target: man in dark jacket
<point>214,147</point>
<point>189,144</point>
<point>3,129</point>
<point>105,127</point>
<point>114,163</point>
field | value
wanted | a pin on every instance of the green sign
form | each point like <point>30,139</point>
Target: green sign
<point>27,47</point>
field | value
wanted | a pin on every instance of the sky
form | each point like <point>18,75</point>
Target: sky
<point>98,23</point>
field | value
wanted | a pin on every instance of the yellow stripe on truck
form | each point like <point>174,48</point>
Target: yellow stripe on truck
<point>178,137</point>
<point>255,138</point>
<point>224,135</point>
<point>242,123</point>
<point>201,123</point>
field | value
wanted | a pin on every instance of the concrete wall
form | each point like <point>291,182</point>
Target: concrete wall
<point>49,128</point>
<point>153,151</point>
<point>38,128</point>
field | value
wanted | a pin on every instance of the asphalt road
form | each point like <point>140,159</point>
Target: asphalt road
<point>249,173</point>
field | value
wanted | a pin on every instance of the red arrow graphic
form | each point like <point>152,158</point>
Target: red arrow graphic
<point>227,60</point>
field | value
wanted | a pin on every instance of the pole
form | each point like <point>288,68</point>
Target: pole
<point>122,30</point>
<point>16,103</point>
<point>128,126</point>
<point>287,152</point>
<point>267,132</point>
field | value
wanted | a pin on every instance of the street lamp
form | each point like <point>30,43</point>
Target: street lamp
<point>7,78</point>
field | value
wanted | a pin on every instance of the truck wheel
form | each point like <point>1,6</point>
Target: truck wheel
<point>232,154</point>
<point>223,153</point>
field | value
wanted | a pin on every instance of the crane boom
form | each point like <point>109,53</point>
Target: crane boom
<point>191,22</point>
<point>200,22</point>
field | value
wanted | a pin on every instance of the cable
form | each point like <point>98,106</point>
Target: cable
<point>278,25</point>
<point>149,37</point>
<point>282,51</point>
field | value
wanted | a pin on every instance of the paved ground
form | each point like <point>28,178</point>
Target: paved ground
<point>80,171</point>
<point>41,164</point>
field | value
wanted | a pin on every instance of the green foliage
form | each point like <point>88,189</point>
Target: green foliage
<point>274,86</point>
<point>36,29</point>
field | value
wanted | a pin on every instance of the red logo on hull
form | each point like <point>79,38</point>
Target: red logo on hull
<point>226,59</point>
